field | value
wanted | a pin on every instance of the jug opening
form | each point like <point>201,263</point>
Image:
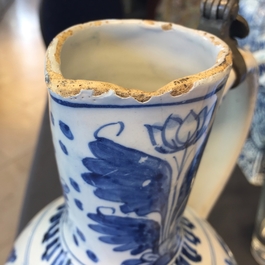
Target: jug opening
<point>138,55</point>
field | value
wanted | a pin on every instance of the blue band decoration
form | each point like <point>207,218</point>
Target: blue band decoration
<point>85,105</point>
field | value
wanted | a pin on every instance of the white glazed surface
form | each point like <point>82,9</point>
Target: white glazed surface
<point>208,248</point>
<point>146,63</point>
<point>129,126</point>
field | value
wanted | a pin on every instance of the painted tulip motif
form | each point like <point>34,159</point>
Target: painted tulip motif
<point>147,187</point>
<point>177,134</point>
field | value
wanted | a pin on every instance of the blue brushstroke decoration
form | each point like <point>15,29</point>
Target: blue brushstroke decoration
<point>128,233</point>
<point>63,147</point>
<point>141,183</point>
<point>52,119</point>
<point>66,130</point>
<point>74,185</point>
<point>72,104</point>
<point>81,235</point>
<point>54,253</point>
<point>79,204</point>
<point>92,256</point>
<point>120,174</point>
<point>66,189</point>
<point>12,256</point>
<point>75,240</point>
<point>177,134</point>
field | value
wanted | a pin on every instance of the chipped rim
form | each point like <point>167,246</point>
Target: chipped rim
<point>65,87</point>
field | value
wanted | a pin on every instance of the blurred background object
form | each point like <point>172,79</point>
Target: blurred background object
<point>55,16</point>
<point>183,12</point>
<point>23,95</point>
<point>252,159</point>
<point>4,4</point>
<point>258,238</point>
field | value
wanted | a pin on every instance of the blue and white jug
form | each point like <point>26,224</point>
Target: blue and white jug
<point>132,104</point>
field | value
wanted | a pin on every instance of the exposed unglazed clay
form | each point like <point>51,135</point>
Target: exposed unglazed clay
<point>67,87</point>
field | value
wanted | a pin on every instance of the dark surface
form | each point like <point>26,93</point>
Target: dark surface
<point>233,216</point>
<point>43,185</point>
<point>4,5</point>
<point>57,15</point>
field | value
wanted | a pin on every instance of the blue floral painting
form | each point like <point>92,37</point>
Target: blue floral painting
<point>143,192</point>
<point>138,184</point>
<point>141,183</point>
<point>178,134</point>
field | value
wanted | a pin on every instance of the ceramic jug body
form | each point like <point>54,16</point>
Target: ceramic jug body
<point>132,104</point>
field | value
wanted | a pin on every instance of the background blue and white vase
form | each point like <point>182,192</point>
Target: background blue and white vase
<point>128,143</point>
<point>252,158</point>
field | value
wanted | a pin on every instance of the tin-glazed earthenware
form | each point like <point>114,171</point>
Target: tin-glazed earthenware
<point>132,104</point>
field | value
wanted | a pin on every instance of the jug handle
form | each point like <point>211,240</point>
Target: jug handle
<point>230,130</point>
<point>222,20</point>
<point>251,70</point>
<point>233,119</point>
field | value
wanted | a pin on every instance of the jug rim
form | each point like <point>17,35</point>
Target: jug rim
<point>67,87</point>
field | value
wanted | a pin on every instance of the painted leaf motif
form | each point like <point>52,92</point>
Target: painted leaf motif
<point>132,234</point>
<point>186,186</point>
<point>137,180</point>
